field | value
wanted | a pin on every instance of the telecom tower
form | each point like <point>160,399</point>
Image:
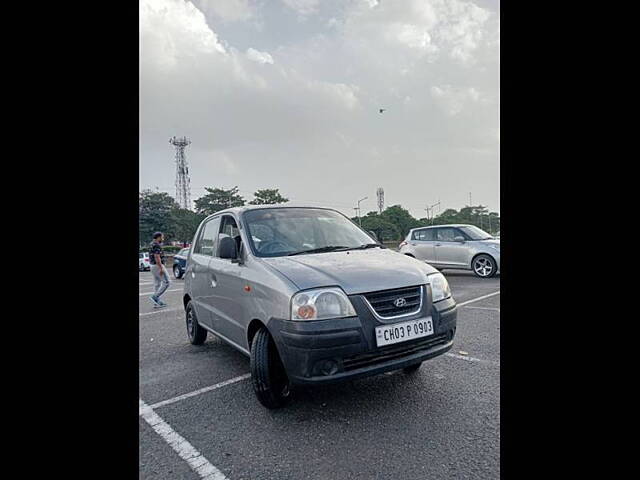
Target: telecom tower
<point>183,183</point>
<point>380,193</point>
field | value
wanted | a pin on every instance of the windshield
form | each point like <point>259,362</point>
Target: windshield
<point>475,233</point>
<point>274,232</point>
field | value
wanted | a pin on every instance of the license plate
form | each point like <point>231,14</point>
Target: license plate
<point>402,332</point>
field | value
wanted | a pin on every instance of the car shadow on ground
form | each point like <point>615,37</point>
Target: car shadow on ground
<point>371,393</point>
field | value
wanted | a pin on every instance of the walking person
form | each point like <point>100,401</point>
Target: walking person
<point>160,276</point>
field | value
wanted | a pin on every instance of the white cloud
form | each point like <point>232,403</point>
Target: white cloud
<point>260,57</point>
<point>174,30</point>
<point>303,7</point>
<point>227,10</point>
<point>456,28</point>
<point>453,100</point>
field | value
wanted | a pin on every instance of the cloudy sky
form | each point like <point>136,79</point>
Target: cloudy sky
<point>285,94</point>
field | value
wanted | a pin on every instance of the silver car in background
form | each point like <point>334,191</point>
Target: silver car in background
<point>459,246</point>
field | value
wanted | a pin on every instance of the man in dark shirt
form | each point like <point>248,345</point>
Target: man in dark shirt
<point>160,276</point>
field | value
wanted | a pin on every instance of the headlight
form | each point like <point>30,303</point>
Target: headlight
<point>321,303</point>
<point>439,287</point>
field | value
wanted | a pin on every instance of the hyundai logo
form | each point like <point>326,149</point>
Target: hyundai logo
<point>400,302</point>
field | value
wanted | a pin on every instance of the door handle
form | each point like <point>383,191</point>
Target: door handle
<point>438,244</point>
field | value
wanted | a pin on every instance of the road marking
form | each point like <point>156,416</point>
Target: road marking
<point>479,298</point>
<point>200,391</point>
<point>484,308</point>
<point>471,359</point>
<point>180,445</point>
<point>149,293</point>
<point>160,310</point>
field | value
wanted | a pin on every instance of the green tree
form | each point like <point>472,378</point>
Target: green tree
<point>401,218</point>
<point>155,214</point>
<point>383,229</point>
<point>473,215</point>
<point>218,199</point>
<point>185,224</point>
<point>268,196</point>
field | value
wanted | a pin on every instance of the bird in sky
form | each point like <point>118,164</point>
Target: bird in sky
<point>382,110</point>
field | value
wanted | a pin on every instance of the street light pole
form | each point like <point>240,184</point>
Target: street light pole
<point>358,209</point>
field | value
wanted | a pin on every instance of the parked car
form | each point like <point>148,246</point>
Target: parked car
<point>180,263</point>
<point>311,298</point>
<point>465,247</point>
<point>143,262</point>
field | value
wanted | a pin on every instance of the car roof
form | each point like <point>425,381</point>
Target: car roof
<point>246,208</point>
<point>444,225</point>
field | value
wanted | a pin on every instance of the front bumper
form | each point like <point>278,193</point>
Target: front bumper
<point>329,351</point>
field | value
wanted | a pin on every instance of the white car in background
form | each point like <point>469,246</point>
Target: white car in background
<point>144,264</point>
<point>459,246</point>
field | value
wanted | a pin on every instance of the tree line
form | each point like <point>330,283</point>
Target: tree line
<point>158,211</point>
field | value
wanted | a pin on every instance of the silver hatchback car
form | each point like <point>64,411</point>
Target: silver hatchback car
<point>312,298</point>
<point>459,246</point>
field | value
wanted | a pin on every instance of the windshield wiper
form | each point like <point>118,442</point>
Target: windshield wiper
<point>367,245</point>
<point>328,248</point>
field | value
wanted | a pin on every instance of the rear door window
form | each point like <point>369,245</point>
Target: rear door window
<point>208,239</point>
<point>424,235</point>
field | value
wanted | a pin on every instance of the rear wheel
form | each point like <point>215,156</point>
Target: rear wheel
<point>270,382</point>
<point>484,266</point>
<point>197,335</point>
<point>412,368</point>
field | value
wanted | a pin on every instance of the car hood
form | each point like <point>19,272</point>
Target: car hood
<point>356,271</point>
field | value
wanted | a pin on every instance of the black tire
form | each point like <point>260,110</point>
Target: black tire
<point>489,266</point>
<point>177,274</point>
<point>412,368</point>
<point>270,382</point>
<point>197,335</point>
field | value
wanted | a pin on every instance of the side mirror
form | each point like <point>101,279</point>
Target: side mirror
<point>458,239</point>
<point>373,234</point>
<point>227,248</point>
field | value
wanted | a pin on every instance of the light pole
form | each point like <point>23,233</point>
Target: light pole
<point>358,210</point>
<point>430,209</point>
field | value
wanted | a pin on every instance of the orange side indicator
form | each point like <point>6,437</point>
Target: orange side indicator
<point>247,288</point>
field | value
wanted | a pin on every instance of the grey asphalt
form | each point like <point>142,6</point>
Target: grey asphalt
<point>442,422</point>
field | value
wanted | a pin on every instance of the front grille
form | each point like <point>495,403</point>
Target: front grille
<point>391,352</point>
<point>383,302</point>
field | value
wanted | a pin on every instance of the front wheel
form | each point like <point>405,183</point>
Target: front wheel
<point>177,272</point>
<point>270,382</point>
<point>484,266</point>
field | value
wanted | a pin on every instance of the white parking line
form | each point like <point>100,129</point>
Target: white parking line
<point>479,298</point>
<point>470,359</point>
<point>202,390</point>
<point>484,308</point>
<point>160,310</point>
<point>182,447</point>
<point>173,290</point>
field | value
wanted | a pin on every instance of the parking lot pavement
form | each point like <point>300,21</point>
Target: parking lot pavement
<point>442,422</point>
